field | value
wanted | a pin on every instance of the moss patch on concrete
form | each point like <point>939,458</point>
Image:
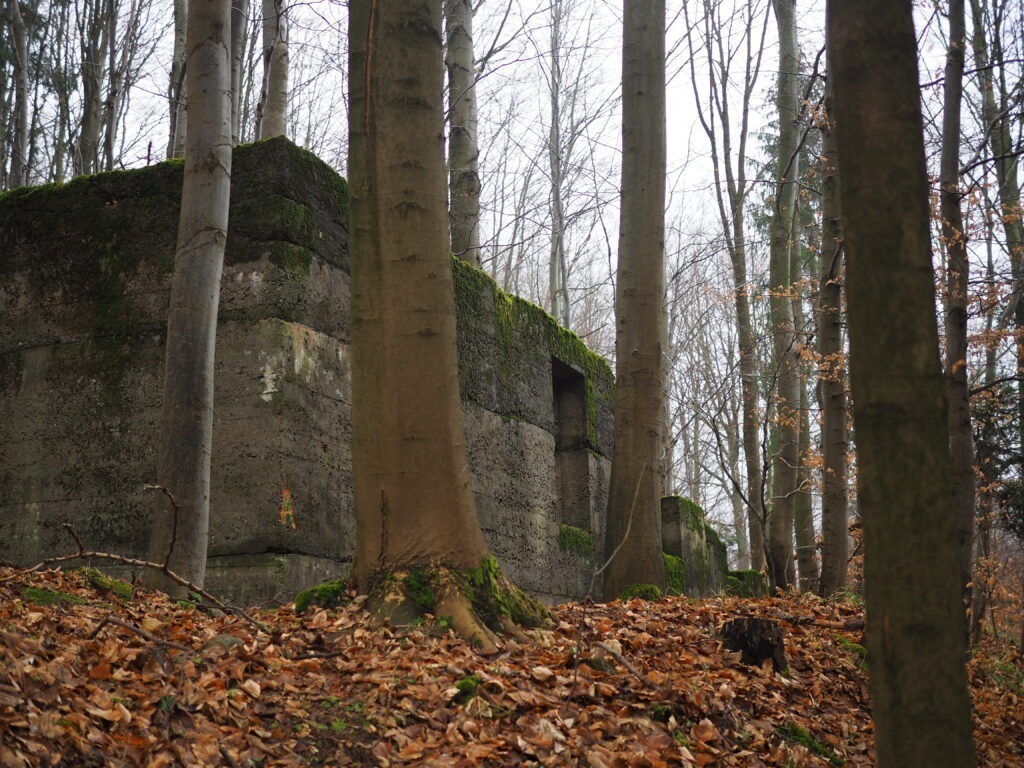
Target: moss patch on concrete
<point>745,583</point>
<point>675,574</point>
<point>575,541</point>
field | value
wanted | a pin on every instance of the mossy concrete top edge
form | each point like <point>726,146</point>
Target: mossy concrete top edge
<point>562,342</point>
<point>250,163</point>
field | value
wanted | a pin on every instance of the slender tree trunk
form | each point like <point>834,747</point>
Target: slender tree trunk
<point>272,108</point>
<point>787,457</point>
<point>633,537</point>
<point>558,290</point>
<point>18,173</point>
<point>111,104</point>
<point>187,418</point>
<point>739,518</point>
<point>915,634</point>
<point>803,511</point>
<point>176,85</point>
<point>954,238</point>
<point>835,549</point>
<point>93,35</point>
<point>463,153</point>
<point>414,503</point>
<point>239,30</point>
<point>997,117</point>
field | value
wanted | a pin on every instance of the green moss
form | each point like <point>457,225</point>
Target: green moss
<point>575,541</point>
<point>661,713</point>
<point>493,596</point>
<point>49,597</point>
<point>467,688</point>
<point>642,591</point>
<point>675,574</point>
<point>419,587</point>
<point>330,594</point>
<point>120,589</point>
<point>858,650</point>
<point>745,583</point>
<point>800,735</point>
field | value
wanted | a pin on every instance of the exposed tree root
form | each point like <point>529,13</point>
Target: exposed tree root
<point>480,604</point>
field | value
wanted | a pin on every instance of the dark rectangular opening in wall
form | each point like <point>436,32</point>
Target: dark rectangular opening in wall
<point>569,388</point>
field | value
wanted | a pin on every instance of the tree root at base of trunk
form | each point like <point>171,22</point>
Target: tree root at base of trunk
<point>480,604</point>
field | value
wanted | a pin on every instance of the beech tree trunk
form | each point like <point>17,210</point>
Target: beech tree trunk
<point>18,173</point>
<point>787,456</point>
<point>915,632</point>
<point>187,416</point>
<point>633,536</point>
<point>835,548</point>
<point>414,503</point>
<point>954,237</point>
<point>239,28</point>
<point>176,85</point>
<point>272,108</point>
<point>463,152</point>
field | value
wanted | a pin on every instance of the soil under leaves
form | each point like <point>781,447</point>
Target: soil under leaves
<point>609,686</point>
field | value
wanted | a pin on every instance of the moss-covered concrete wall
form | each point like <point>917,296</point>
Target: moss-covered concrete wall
<point>696,557</point>
<point>84,284</point>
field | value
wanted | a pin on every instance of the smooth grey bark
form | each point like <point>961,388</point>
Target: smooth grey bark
<point>92,34</point>
<point>558,289</point>
<point>954,238</point>
<point>239,28</point>
<point>176,84</point>
<point>18,171</point>
<point>787,457</point>
<point>463,152</point>
<point>835,547</point>
<point>272,107</point>
<point>633,535</point>
<point>187,416</point>
<point>915,633</point>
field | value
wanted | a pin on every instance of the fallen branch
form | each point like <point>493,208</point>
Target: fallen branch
<point>139,631</point>
<point>633,670</point>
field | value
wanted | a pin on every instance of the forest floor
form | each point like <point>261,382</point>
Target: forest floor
<point>90,678</point>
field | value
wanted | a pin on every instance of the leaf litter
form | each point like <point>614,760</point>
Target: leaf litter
<point>100,681</point>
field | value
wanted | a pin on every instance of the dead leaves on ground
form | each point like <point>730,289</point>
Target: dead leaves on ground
<point>638,684</point>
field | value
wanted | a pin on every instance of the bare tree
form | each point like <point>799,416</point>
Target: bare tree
<point>272,107</point>
<point>787,406</point>
<point>717,112</point>
<point>915,634</point>
<point>18,174</point>
<point>633,536</point>
<point>187,417</point>
<point>463,152</point>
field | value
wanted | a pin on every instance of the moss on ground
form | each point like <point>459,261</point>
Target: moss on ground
<point>800,735</point>
<point>49,597</point>
<point>122,590</point>
<point>330,594</point>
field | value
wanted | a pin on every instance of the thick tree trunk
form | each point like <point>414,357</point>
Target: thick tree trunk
<point>463,152</point>
<point>835,549</point>
<point>787,456</point>
<point>633,536</point>
<point>414,503</point>
<point>954,237</point>
<point>18,173</point>
<point>915,634</point>
<point>272,109</point>
<point>187,417</point>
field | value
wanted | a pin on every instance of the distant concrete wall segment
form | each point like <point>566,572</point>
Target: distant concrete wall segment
<point>84,284</point>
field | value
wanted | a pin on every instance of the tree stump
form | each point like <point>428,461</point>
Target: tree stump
<point>757,640</point>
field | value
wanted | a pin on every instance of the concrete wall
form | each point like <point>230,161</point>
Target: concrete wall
<point>84,284</point>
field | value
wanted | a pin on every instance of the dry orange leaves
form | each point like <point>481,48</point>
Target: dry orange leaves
<point>622,685</point>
